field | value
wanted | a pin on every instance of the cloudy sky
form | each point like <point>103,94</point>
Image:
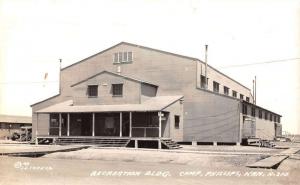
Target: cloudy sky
<point>245,38</point>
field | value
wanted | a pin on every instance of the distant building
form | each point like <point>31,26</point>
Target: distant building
<point>10,124</point>
<point>139,93</point>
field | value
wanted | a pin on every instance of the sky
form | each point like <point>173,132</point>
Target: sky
<point>245,38</point>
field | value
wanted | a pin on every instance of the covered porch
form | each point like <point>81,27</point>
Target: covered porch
<point>109,124</point>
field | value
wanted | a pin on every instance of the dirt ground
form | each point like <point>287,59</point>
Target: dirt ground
<point>190,165</point>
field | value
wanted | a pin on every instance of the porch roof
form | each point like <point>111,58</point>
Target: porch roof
<point>158,103</point>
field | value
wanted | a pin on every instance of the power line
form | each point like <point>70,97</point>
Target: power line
<point>259,63</point>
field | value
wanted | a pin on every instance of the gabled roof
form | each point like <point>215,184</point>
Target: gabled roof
<point>116,74</point>
<point>134,45</point>
<point>158,103</point>
<point>157,50</point>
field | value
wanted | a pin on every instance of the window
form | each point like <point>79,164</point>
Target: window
<point>116,58</point>
<point>245,109</point>
<point>177,120</point>
<point>266,115</point>
<point>125,57</point>
<point>271,117</point>
<point>253,111</point>
<point>247,99</point>
<point>241,96</point>
<point>234,93</point>
<point>122,57</point>
<point>129,56</point>
<point>92,90</point>
<point>203,82</point>
<point>260,114</point>
<point>226,90</point>
<point>117,89</point>
<point>216,86</point>
<point>278,119</point>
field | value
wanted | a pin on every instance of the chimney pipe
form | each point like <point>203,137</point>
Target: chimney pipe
<point>60,61</point>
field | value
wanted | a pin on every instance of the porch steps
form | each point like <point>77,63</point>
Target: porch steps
<point>170,144</point>
<point>100,142</point>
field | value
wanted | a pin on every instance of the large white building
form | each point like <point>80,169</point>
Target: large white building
<point>142,94</point>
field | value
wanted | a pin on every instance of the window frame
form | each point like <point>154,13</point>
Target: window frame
<point>113,86</point>
<point>226,89</point>
<point>89,91</point>
<point>234,94</point>
<point>216,87</point>
<point>241,96</point>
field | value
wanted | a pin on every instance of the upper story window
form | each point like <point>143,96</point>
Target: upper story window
<point>216,86</point>
<point>117,89</point>
<point>203,82</point>
<point>226,90</point>
<point>260,113</point>
<point>266,115</point>
<point>92,90</point>
<point>234,93</point>
<point>278,119</point>
<point>271,117</point>
<point>122,57</point>
<point>247,99</point>
<point>241,96</point>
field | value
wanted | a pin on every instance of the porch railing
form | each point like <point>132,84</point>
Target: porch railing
<point>145,131</point>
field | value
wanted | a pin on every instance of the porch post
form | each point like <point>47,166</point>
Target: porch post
<point>59,124</point>
<point>130,124</point>
<point>68,126</point>
<point>93,124</point>
<point>159,128</point>
<point>121,124</point>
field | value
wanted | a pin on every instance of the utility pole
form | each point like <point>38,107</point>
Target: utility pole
<point>255,90</point>
<point>206,47</point>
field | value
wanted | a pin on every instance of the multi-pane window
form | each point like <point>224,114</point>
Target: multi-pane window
<point>216,86</point>
<point>247,99</point>
<point>117,89</point>
<point>253,111</point>
<point>234,93</point>
<point>129,57</point>
<point>92,90</point>
<point>260,113</point>
<point>203,82</point>
<point>177,121</point>
<point>226,90</point>
<point>122,57</point>
<point>241,96</point>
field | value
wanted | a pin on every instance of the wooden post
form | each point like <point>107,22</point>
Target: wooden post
<point>59,121</point>
<point>121,124</point>
<point>36,131</point>
<point>130,124</point>
<point>93,127</point>
<point>68,126</point>
<point>159,128</point>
